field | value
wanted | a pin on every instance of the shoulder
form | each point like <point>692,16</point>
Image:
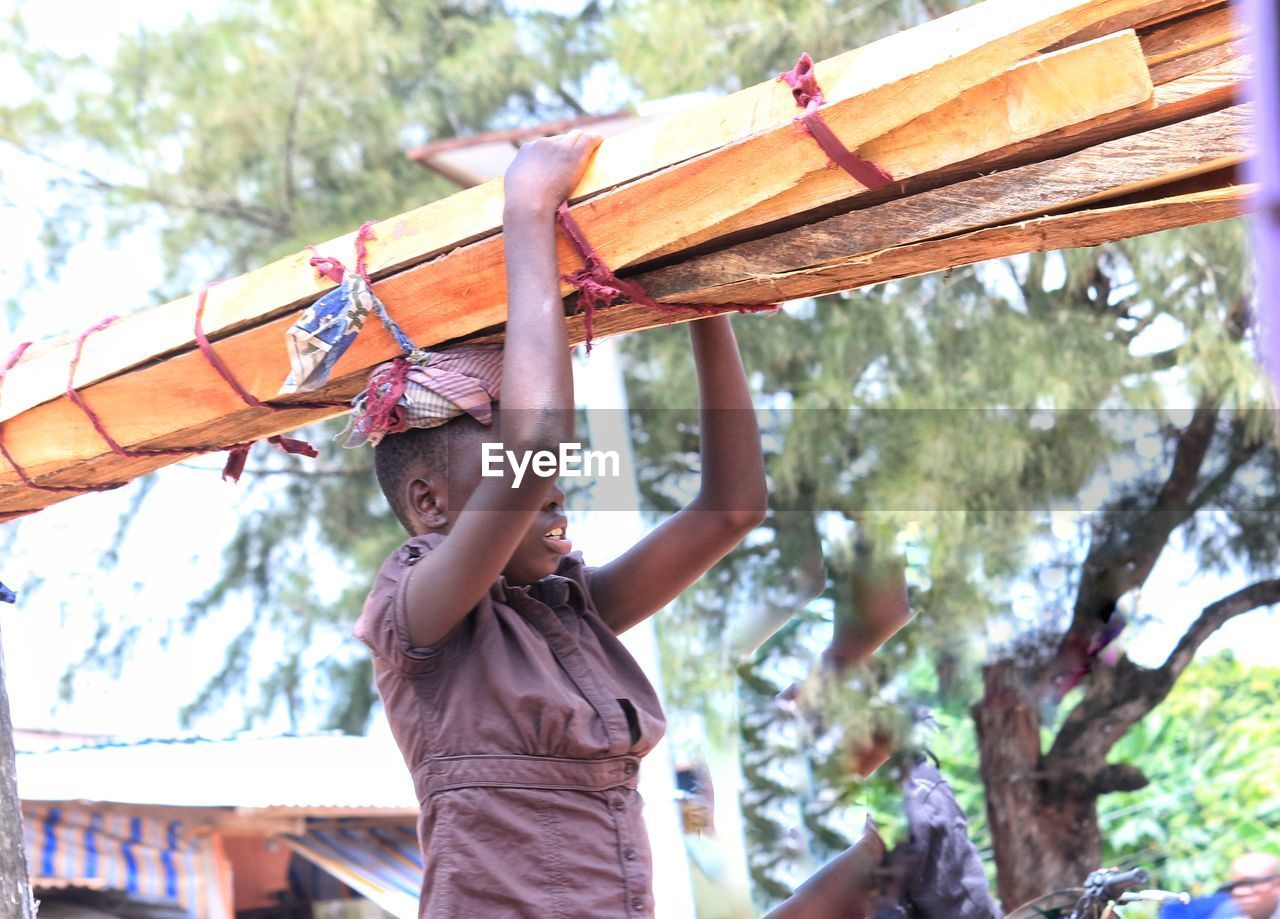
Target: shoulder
<point>382,623</point>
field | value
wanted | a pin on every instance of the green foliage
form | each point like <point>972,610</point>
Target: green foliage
<point>1212,756</point>
<point>269,124</point>
<point>944,416</point>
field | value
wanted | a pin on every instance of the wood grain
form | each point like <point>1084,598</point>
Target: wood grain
<point>1041,95</point>
<point>888,83</point>
<point>1091,227</point>
<point>1111,170</point>
<point>845,252</point>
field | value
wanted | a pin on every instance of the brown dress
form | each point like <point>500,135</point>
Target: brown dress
<point>523,729</point>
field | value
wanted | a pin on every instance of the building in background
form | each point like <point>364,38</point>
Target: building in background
<point>255,828</point>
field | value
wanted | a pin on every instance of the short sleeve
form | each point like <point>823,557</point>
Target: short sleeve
<point>383,624</point>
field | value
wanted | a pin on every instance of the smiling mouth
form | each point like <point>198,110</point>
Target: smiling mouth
<point>556,539</point>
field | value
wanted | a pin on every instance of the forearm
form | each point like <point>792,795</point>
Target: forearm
<point>537,384</point>
<point>733,477</point>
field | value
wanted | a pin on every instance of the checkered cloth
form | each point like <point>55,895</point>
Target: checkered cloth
<point>429,388</point>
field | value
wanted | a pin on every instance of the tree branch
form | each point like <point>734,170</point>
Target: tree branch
<point>230,208</point>
<point>1124,549</point>
<point>1116,565</point>
<point>1120,697</point>
<point>1213,617</point>
<point>568,99</point>
<point>289,152</point>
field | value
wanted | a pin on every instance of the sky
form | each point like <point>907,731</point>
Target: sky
<point>175,541</point>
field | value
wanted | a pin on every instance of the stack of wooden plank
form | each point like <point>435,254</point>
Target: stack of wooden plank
<point>1007,127</point>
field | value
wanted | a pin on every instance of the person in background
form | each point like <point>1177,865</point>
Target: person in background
<point>1255,887</point>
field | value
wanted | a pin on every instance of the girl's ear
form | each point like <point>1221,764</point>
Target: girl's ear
<point>429,503</point>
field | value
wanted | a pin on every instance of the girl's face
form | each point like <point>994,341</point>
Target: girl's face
<point>546,541</point>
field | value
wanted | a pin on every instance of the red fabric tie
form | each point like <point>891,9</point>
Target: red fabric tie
<point>808,95</point>
<point>598,286</point>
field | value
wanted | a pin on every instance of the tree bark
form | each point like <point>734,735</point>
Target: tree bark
<point>1038,839</point>
<point>15,892</point>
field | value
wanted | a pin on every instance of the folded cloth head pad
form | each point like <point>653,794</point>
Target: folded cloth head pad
<point>425,391</point>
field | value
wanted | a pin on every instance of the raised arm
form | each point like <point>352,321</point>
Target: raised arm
<point>731,500</point>
<point>536,410</point>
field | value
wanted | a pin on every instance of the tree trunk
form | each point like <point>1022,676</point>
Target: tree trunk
<point>1044,828</point>
<point>15,892</point>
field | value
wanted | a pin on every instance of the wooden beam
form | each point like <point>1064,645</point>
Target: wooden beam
<point>887,84</point>
<point>1110,170</point>
<point>1188,97</point>
<point>1190,34</point>
<point>1043,94</point>
<point>455,295</point>
<point>1089,227</point>
<point>1145,17</point>
<point>878,239</point>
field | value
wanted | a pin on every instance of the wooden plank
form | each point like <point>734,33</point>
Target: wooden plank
<point>1115,169</point>
<point>1189,97</point>
<point>1090,227</point>
<point>887,83</point>
<point>1145,17</point>
<point>1041,95</point>
<point>1190,34</point>
<point>468,290</point>
<point>216,416</point>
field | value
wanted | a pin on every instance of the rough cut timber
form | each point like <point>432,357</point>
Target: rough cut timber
<point>874,238</point>
<point>1185,87</point>
<point>1090,227</point>
<point>183,387</point>
<point>464,290</point>
<point>1044,94</point>
<point>887,83</point>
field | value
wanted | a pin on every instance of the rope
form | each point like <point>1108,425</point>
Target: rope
<point>599,287</point>
<point>22,473</point>
<point>334,270</point>
<point>239,453</point>
<point>808,95</point>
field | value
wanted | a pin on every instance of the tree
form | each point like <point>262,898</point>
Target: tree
<point>934,457</point>
<point>944,417</point>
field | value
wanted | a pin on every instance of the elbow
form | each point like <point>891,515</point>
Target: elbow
<point>743,520</point>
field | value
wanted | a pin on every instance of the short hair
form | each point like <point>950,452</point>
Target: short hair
<point>396,455</point>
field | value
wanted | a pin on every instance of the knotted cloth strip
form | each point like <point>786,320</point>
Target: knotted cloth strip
<point>598,286</point>
<point>808,95</point>
<point>238,454</point>
<point>22,473</point>
<point>427,391</point>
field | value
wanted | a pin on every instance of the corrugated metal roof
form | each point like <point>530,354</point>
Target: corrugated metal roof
<point>310,772</point>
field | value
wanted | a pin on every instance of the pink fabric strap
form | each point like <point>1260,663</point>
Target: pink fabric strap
<point>334,270</point>
<point>22,473</point>
<point>808,95</point>
<point>598,286</point>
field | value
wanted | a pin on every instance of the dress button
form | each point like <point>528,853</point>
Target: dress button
<point>619,805</point>
<point>629,855</point>
<point>637,904</point>
<point>629,768</point>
